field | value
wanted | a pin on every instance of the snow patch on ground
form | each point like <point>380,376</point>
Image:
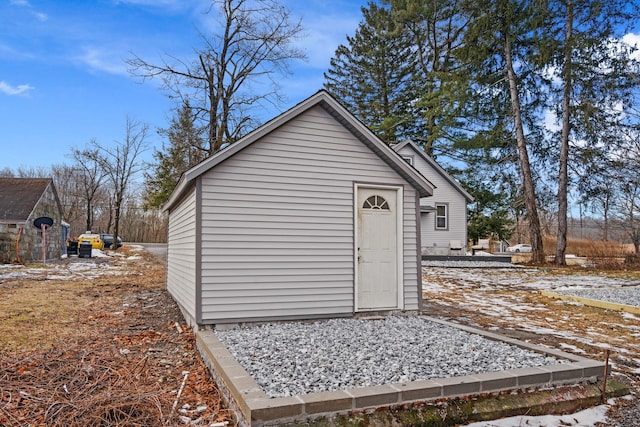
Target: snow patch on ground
<point>572,348</point>
<point>587,418</point>
<point>469,264</point>
<point>97,253</point>
<point>77,268</point>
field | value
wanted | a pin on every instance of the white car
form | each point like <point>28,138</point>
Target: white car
<point>520,247</point>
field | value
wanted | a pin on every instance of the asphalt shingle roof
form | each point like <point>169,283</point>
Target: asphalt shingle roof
<point>19,196</point>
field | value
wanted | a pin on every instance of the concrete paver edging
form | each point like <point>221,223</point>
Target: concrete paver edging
<point>254,407</point>
<point>594,302</point>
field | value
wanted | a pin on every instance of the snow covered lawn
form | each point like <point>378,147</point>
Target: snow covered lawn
<point>508,301</point>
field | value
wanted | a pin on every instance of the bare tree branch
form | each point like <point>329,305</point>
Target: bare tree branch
<point>121,163</point>
<point>253,45</point>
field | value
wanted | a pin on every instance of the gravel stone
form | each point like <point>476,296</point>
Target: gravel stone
<point>288,359</point>
<point>621,295</point>
<point>469,264</point>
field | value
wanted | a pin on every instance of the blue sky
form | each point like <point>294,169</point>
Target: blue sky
<point>63,80</point>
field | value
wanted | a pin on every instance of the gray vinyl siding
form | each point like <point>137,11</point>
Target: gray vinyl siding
<point>444,193</point>
<point>410,245</point>
<point>277,224</point>
<point>181,254</point>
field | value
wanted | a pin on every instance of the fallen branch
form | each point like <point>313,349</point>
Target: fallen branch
<point>175,402</point>
<point>179,328</point>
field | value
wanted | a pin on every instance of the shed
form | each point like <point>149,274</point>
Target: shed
<point>443,215</point>
<point>22,200</point>
<point>308,216</point>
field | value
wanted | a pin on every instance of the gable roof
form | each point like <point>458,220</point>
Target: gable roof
<point>19,197</point>
<point>323,99</point>
<point>435,166</point>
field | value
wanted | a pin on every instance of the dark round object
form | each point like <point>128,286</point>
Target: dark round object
<point>43,220</point>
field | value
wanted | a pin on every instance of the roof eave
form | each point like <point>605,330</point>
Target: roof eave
<point>322,98</point>
<point>388,154</point>
<point>436,166</point>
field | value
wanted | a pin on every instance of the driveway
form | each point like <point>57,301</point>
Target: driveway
<point>158,249</point>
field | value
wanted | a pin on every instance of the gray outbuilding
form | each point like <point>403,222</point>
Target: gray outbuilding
<point>309,216</point>
<point>443,223</point>
<point>22,202</point>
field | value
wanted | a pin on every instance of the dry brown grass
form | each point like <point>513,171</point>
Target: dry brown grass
<point>600,254</point>
<point>508,302</point>
<point>527,314</point>
<point>589,248</point>
<point>99,352</point>
<point>42,313</point>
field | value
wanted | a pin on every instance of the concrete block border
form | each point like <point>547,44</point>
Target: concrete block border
<point>253,407</point>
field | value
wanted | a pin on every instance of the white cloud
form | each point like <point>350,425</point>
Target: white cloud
<point>24,3</point>
<point>158,3</point>
<point>323,35</point>
<point>41,16</point>
<point>633,40</point>
<point>15,90</point>
<point>170,5</point>
<point>551,121</point>
<point>102,60</point>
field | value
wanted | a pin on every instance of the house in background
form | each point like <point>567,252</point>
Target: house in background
<point>22,200</point>
<point>309,216</point>
<point>443,215</point>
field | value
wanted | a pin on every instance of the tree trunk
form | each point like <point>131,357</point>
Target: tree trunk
<point>563,177</point>
<point>535,233</point>
<point>89,216</point>
<point>116,224</point>
<point>635,238</point>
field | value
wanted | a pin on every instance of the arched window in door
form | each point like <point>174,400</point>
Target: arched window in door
<point>375,202</point>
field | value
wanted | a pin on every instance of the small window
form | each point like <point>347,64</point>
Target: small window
<point>375,202</point>
<point>442,214</point>
<point>408,159</point>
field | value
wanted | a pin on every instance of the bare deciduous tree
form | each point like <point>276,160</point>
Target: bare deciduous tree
<point>67,181</point>
<point>234,70</point>
<point>90,178</point>
<point>121,163</point>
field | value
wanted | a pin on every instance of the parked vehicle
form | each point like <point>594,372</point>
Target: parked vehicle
<point>94,239</point>
<point>520,247</point>
<point>108,241</point>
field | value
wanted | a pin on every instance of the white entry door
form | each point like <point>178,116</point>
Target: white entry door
<point>377,249</point>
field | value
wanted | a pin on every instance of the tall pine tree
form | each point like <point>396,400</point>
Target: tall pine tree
<point>371,74</point>
<point>595,81</point>
<point>185,149</point>
<point>440,84</point>
<point>508,99</point>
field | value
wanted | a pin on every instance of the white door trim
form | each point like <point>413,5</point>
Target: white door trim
<point>399,246</point>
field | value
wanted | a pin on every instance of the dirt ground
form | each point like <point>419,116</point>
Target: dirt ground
<point>508,301</point>
<point>98,342</point>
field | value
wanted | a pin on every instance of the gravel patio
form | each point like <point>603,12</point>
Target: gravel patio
<point>296,362</point>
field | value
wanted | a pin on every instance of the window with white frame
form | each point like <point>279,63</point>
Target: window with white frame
<point>442,216</point>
